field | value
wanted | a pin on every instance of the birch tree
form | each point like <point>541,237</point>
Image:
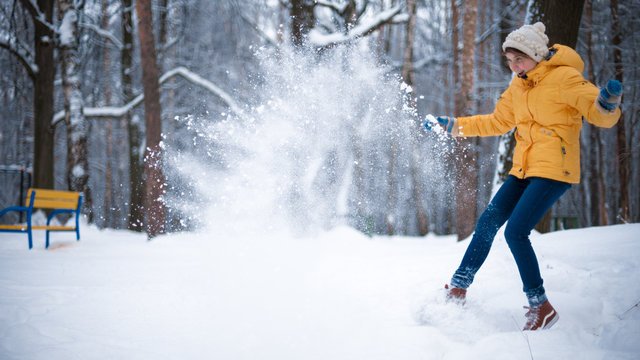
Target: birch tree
<point>77,156</point>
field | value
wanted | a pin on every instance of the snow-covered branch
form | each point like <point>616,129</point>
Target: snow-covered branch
<point>198,80</point>
<point>104,33</point>
<point>11,43</point>
<point>339,8</point>
<point>259,31</point>
<point>170,43</point>
<point>119,111</point>
<point>37,14</point>
<point>363,29</point>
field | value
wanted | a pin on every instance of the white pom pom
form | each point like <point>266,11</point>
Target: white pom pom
<point>539,27</point>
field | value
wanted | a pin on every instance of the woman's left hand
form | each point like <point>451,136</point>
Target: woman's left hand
<point>609,97</point>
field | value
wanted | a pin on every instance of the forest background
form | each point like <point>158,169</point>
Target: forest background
<point>161,110</point>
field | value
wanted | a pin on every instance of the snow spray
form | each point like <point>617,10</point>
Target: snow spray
<point>326,140</point>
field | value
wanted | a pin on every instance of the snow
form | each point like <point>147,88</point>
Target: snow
<point>68,28</point>
<point>336,295</point>
<point>243,287</point>
<point>78,171</point>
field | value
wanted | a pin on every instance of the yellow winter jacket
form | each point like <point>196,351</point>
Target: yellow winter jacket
<point>546,109</point>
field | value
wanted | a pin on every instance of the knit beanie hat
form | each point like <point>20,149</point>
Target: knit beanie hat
<point>530,39</point>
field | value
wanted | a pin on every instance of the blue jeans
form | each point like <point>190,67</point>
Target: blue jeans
<point>523,202</point>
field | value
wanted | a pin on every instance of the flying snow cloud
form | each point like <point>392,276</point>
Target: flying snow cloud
<point>314,146</point>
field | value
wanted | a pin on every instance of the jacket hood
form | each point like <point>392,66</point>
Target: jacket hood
<point>559,55</point>
<point>565,56</point>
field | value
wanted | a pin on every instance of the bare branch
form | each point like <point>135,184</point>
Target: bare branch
<point>104,33</point>
<point>11,43</point>
<point>116,112</point>
<point>259,31</point>
<point>361,30</point>
<point>38,15</point>
<point>331,5</point>
<point>198,80</point>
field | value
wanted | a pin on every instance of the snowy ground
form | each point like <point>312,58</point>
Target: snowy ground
<point>339,295</point>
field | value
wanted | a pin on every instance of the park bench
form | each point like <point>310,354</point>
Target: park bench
<point>60,202</point>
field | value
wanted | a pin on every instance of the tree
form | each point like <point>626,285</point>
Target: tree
<point>624,155</point>
<point>466,179</point>
<point>302,20</point>
<point>343,26</point>
<point>561,19</point>
<point>77,128</point>
<point>43,74</point>
<point>136,190</point>
<point>408,76</point>
<point>108,203</point>
<point>595,191</point>
<point>154,176</point>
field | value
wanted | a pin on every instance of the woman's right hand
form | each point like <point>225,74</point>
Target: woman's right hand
<point>445,123</point>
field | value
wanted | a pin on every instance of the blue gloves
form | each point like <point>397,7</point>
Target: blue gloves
<point>609,98</point>
<point>447,123</point>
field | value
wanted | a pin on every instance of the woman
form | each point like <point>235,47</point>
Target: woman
<point>545,103</point>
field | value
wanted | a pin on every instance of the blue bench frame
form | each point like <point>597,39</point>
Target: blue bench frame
<point>29,212</point>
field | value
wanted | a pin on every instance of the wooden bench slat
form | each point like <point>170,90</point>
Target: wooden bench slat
<point>53,199</point>
<point>48,204</point>
<point>38,227</point>
<point>48,193</point>
<point>53,227</point>
<point>13,227</point>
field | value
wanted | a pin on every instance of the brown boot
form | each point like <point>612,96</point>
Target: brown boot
<point>541,317</point>
<point>455,295</point>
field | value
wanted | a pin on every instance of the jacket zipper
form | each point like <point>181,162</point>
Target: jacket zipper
<point>563,149</point>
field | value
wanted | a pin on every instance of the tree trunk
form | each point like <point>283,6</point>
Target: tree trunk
<point>597,190</point>
<point>407,75</point>
<point>455,41</point>
<point>467,174</point>
<point>407,64</point>
<point>624,155</point>
<point>136,191</point>
<point>358,200</point>
<point>77,127</point>
<point>163,7</point>
<point>561,19</point>
<point>153,171</point>
<point>455,84</point>
<point>108,212</point>
<point>392,186</point>
<point>302,20</point>
<point>43,132</point>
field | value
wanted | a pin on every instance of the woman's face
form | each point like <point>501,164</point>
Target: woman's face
<point>519,63</point>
